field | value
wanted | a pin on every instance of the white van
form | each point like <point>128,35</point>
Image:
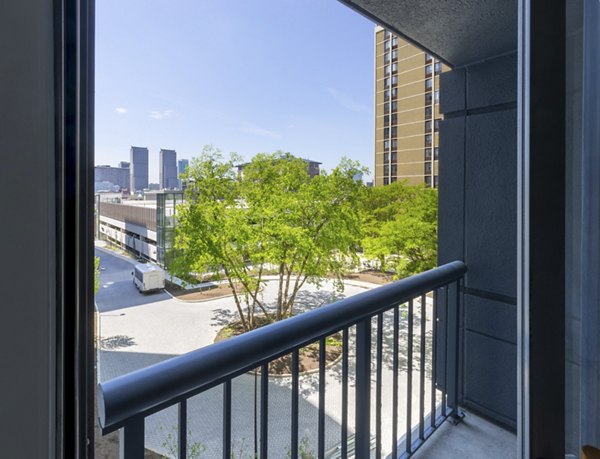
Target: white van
<point>147,277</point>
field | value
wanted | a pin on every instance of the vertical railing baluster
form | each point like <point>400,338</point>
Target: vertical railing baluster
<point>445,351</point>
<point>363,389</point>
<point>182,430</point>
<point>264,411</point>
<point>434,331</point>
<point>453,378</point>
<point>295,391</point>
<point>409,379</point>
<point>227,420</point>
<point>344,448</point>
<point>422,368</point>
<point>379,346</point>
<point>131,440</point>
<point>321,425</point>
<point>395,383</point>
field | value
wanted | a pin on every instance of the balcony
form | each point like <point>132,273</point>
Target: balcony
<point>398,364</point>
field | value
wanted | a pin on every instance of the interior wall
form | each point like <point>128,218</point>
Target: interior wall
<point>478,224</point>
<point>27,230</point>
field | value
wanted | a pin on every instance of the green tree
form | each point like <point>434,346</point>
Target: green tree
<point>400,227</point>
<point>273,215</point>
<point>96,275</point>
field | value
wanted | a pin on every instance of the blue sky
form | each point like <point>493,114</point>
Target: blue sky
<point>246,76</point>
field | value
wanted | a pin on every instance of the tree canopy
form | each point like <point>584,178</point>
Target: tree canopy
<point>400,227</point>
<point>270,218</point>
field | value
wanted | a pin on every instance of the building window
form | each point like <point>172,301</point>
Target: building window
<point>394,54</point>
<point>386,157</point>
<point>394,156</point>
<point>388,34</point>
<point>386,83</point>
<point>394,169</point>
<point>438,68</point>
<point>428,126</point>
<point>435,181</point>
<point>386,170</point>
<point>394,132</point>
<point>386,120</point>
<point>436,153</point>
<point>386,144</point>
<point>386,94</point>
<point>387,45</point>
<point>428,167</point>
<point>428,83</point>
<point>427,153</point>
<point>436,124</point>
<point>394,67</point>
<point>394,119</point>
<point>437,96</point>
<point>386,132</point>
<point>394,41</point>
<point>428,112</point>
<point>386,69</point>
<point>386,181</point>
<point>428,70</point>
<point>428,98</point>
<point>386,57</point>
<point>394,92</point>
<point>428,140</point>
<point>428,57</point>
<point>428,180</point>
<point>394,144</point>
<point>386,108</point>
<point>394,106</point>
<point>394,80</point>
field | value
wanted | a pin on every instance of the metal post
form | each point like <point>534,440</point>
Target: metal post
<point>131,440</point>
<point>453,322</point>
<point>363,388</point>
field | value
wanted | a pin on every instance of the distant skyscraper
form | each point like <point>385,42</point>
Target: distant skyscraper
<point>138,169</point>
<point>167,169</point>
<point>182,166</point>
<point>124,165</point>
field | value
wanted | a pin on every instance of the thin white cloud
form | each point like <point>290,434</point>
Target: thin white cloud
<point>121,110</point>
<point>161,114</point>
<point>291,126</point>
<point>346,101</point>
<point>250,128</point>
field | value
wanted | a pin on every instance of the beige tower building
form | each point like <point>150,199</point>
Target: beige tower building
<point>406,112</point>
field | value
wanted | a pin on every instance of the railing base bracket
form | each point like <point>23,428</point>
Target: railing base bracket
<point>456,417</point>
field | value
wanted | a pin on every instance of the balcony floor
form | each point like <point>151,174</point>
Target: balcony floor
<point>474,438</point>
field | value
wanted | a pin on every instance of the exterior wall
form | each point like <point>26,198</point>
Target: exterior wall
<point>406,110</point>
<point>477,224</point>
<point>138,169</point>
<point>168,169</point>
<point>27,279</point>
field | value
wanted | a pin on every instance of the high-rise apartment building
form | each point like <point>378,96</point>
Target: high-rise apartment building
<point>138,169</point>
<point>182,166</point>
<point>167,169</point>
<point>406,111</point>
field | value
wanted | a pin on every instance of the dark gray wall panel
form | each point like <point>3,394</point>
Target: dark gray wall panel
<point>492,82</point>
<point>491,202</point>
<point>491,318</point>
<point>451,185</point>
<point>490,382</point>
<point>453,91</point>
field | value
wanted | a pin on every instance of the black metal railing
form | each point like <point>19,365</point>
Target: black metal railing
<point>414,323</point>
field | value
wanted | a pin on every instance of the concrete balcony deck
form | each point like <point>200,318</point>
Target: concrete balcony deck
<point>474,438</point>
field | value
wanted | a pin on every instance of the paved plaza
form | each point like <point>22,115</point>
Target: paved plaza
<point>138,330</point>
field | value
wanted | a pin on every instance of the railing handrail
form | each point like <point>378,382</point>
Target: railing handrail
<point>154,388</point>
